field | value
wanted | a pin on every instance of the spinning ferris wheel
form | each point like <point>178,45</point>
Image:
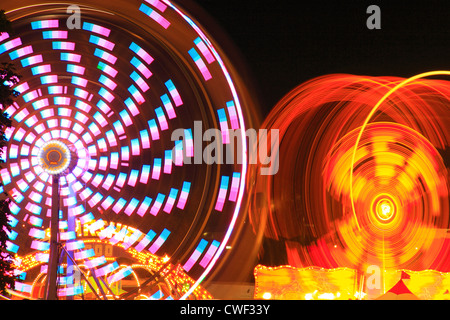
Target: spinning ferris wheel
<point>102,193</point>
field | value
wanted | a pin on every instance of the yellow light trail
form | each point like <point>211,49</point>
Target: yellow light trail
<point>372,112</point>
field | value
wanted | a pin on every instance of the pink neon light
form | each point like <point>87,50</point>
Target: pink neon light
<point>14,149</point>
<point>233,117</point>
<point>11,110</point>
<point>69,235</point>
<point>103,163</point>
<point>100,119</point>
<point>145,142</point>
<point>155,208</point>
<point>127,120</point>
<point>132,180</point>
<point>110,70</point>
<point>106,94</point>
<point>64,45</point>
<point>169,205</point>
<point>168,165</point>
<point>62,101</point>
<point>21,115</point>
<point>100,30</point>
<point>43,69</point>
<point>84,254</point>
<point>108,182</point>
<point>108,57</point>
<point>176,97</point>
<point>114,161</point>
<point>135,150</point>
<point>103,107</point>
<point>163,121</point>
<point>179,155</point>
<point>192,260</point>
<point>142,84</point>
<point>105,44</point>
<point>225,132</point>
<point>35,59</point>
<point>208,255</point>
<point>81,93</point>
<point>182,200</point>
<point>170,111</point>
<point>205,51</point>
<point>159,19</point>
<point>142,244</point>
<point>42,257</point>
<point>92,164</point>
<point>203,68</point>
<point>221,199</point>
<point>79,81</point>
<point>22,87</point>
<point>111,140</point>
<point>145,175</point>
<point>57,34</point>
<point>12,44</point>
<point>49,24</point>
<point>83,106</point>
<point>133,108</point>
<point>77,69</point>
<point>145,55</point>
<point>234,188</point>
<point>102,145</point>
<point>24,51</point>
<point>130,240</point>
<point>156,172</point>
<point>108,82</point>
<point>40,103</point>
<point>52,123</point>
<point>4,36</point>
<point>144,70</point>
<point>73,57</point>
<point>130,209</point>
<point>157,4</point>
<point>118,207</point>
<point>154,130</point>
<point>49,79</point>
<point>30,96</point>
<point>138,97</point>
<point>95,262</point>
<point>143,208</point>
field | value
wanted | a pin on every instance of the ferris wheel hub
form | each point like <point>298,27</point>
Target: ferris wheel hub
<point>54,157</point>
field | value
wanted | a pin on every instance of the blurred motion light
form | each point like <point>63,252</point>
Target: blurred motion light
<point>54,157</point>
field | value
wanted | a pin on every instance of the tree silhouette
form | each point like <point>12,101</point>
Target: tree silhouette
<point>8,79</point>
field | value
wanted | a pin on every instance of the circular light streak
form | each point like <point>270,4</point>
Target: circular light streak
<point>115,105</point>
<point>372,112</point>
<point>54,157</point>
<point>385,209</point>
<point>353,193</point>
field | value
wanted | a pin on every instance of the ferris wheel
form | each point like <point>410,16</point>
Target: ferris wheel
<point>365,168</point>
<point>102,187</point>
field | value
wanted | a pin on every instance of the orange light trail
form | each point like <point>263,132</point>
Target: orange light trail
<point>372,112</point>
<point>364,174</point>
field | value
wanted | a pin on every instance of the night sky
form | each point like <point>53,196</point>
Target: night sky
<point>284,43</point>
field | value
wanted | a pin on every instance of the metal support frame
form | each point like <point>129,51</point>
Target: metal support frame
<point>52,270</point>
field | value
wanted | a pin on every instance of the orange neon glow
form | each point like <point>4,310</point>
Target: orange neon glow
<point>364,174</point>
<point>313,283</point>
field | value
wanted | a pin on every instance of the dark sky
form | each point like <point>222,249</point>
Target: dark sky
<point>285,43</point>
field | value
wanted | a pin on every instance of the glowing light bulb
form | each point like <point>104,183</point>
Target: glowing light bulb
<point>267,295</point>
<point>385,209</point>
